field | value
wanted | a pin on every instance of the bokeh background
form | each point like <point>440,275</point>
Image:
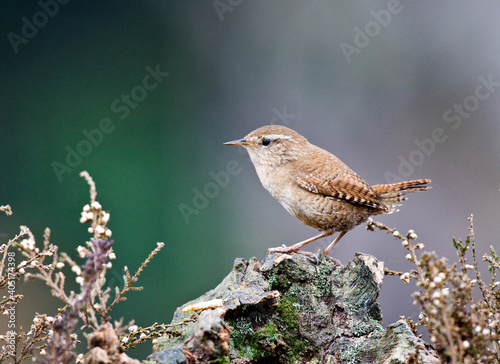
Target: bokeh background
<point>234,66</point>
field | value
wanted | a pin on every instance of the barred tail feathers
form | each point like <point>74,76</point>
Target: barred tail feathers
<point>391,195</point>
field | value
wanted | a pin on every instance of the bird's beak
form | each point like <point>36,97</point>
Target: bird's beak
<point>241,141</point>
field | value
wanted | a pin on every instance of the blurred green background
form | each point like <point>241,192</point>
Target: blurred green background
<point>234,66</point>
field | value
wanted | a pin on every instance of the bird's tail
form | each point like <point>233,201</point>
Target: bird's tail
<point>391,195</point>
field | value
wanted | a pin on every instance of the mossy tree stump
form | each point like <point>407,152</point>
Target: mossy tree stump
<point>290,309</point>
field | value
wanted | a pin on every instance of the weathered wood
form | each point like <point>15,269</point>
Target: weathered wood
<point>290,309</point>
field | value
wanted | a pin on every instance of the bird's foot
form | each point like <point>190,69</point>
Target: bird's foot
<point>291,249</point>
<point>335,261</point>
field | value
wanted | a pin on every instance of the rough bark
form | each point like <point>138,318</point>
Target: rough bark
<point>290,309</point>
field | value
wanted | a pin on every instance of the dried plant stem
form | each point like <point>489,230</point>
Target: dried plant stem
<point>90,181</point>
<point>130,281</point>
<point>462,329</point>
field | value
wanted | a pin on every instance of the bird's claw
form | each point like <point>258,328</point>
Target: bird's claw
<point>334,260</point>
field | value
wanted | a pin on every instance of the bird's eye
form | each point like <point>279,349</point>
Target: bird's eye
<point>266,141</point>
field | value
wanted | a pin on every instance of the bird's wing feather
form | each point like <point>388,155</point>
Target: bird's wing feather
<point>329,176</point>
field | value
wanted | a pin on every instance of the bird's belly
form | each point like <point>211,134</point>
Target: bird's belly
<point>325,213</point>
<point>316,210</point>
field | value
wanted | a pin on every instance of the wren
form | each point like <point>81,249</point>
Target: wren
<point>317,187</point>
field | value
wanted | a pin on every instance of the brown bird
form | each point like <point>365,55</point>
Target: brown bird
<point>315,186</point>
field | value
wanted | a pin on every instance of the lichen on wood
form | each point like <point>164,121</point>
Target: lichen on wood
<point>291,309</point>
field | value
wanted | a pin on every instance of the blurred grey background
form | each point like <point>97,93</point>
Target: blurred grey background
<point>397,90</point>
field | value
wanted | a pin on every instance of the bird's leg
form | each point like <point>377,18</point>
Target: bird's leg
<point>327,250</point>
<point>295,247</point>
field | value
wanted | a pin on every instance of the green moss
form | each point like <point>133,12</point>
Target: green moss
<point>351,355</point>
<point>288,321</point>
<point>223,360</point>
<point>254,344</point>
<point>272,334</point>
<point>288,312</point>
<point>277,281</point>
<point>242,329</point>
<point>278,337</point>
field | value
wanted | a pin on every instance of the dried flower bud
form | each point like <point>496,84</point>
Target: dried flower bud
<point>405,277</point>
<point>76,269</point>
<point>82,251</point>
<point>96,205</point>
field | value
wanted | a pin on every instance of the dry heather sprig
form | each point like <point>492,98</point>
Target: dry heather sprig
<point>129,282</point>
<point>94,213</point>
<point>137,335</point>
<point>19,345</point>
<point>463,330</point>
<point>54,338</point>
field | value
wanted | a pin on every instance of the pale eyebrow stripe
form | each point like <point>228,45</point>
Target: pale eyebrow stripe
<point>278,136</point>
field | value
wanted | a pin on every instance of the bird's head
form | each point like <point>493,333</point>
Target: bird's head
<point>273,145</point>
